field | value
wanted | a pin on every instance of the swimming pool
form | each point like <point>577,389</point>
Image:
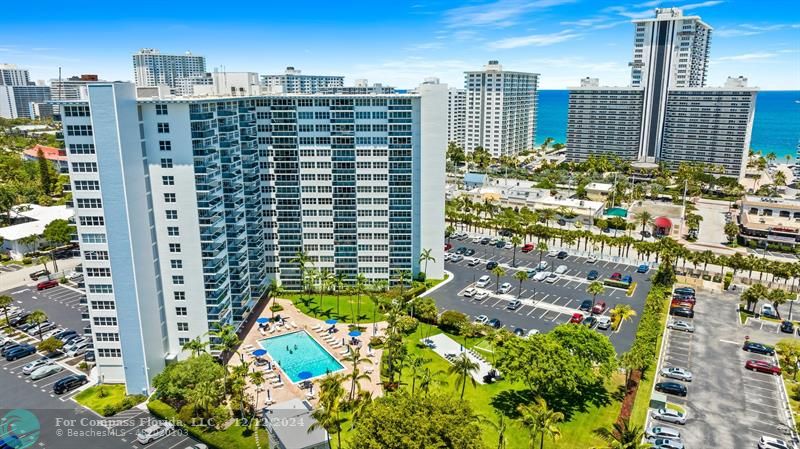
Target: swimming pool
<point>309,356</point>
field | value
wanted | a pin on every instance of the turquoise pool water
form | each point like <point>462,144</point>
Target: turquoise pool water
<point>309,355</point>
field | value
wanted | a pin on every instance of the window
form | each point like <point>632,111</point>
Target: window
<point>168,180</point>
<point>95,255</point>
<point>169,198</point>
<point>79,130</point>
<point>109,352</point>
<point>173,231</point>
<point>165,145</point>
<point>174,247</point>
<point>105,321</point>
<point>84,167</point>
<point>179,296</point>
<point>98,272</point>
<point>103,305</point>
<point>181,311</point>
<point>161,109</point>
<point>76,111</point>
<point>163,128</point>
<point>93,238</point>
<point>106,336</point>
<point>176,264</point>
<point>81,148</point>
<point>171,214</point>
<point>166,163</point>
<point>91,221</point>
<point>101,288</point>
<point>183,327</point>
<point>87,185</point>
<point>177,280</point>
<point>89,203</point>
<point>183,340</point>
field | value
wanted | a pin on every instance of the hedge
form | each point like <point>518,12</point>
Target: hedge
<point>215,439</point>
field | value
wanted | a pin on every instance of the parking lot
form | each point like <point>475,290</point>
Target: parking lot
<point>62,304</point>
<point>726,405</point>
<point>544,305</point>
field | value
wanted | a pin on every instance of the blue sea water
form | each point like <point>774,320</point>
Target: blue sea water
<point>776,127</point>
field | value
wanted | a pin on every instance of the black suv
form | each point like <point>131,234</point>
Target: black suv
<point>787,327</point>
<point>586,305</point>
<point>682,312</point>
<point>671,388</point>
<point>69,383</point>
<point>562,255</point>
<point>758,348</point>
<point>491,265</point>
<point>461,250</point>
<point>469,252</point>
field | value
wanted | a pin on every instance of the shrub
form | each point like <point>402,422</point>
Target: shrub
<point>83,366</point>
<point>376,342</point>
<point>726,283</point>
<point>109,410</point>
<point>452,321</point>
<point>276,307</point>
<point>407,325</point>
<point>27,261</point>
<point>63,280</point>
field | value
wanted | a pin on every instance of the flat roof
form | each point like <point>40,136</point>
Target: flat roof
<point>289,421</point>
<point>40,217</point>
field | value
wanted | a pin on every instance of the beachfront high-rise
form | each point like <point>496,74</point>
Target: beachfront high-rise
<point>11,75</point>
<point>153,68</point>
<point>456,116</point>
<point>186,208</point>
<point>667,114</point>
<point>293,81</point>
<point>500,109</point>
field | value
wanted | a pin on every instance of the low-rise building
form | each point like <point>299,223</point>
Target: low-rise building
<point>769,223</point>
<point>55,155</point>
<point>288,424</point>
<point>598,191</point>
<point>31,219</point>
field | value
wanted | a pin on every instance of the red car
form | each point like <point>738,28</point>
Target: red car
<point>448,246</point>
<point>682,303</point>
<point>616,277</point>
<point>762,367</point>
<point>47,284</point>
<point>599,307</point>
<point>527,248</point>
<point>577,318</point>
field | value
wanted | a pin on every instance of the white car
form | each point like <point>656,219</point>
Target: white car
<point>533,332</point>
<point>456,258</point>
<point>79,349</point>
<point>480,296</point>
<point>543,265</point>
<point>75,276</point>
<point>664,432</point>
<point>680,325</point>
<point>481,319</point>
<point>591,259</point>
<point>46,370</point>
<point>476,239</point>
<point>552,253</point>
<point>677,373</point>
<point>469,292</point>
<point>484,281</point>
<point>542,275</point>
<point>552,277</point>
<point>36,364</point>
<point>773,443</point>
<point>669,415</point>
<point>154,432</point>
<point>474,261</point>
<point>603,322</point>
<point>505,287</point>
<point>448,256</point>
<point>508,245</point>
<point>562,269</point>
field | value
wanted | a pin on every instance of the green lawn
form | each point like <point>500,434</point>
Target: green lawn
<point>111,401</point>
<point>576,433</point>
<point>345,310</point>
<point>642,403</point>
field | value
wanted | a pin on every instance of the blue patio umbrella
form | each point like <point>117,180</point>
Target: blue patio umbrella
<point>262,320</point>
<point>260,352</point>
<point>331,321</point>
<point>354,334</point>
<point>304,375</point>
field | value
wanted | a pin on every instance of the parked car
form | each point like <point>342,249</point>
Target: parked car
<point>685,290</point>
<point>469,252</point>
<point>669,415</point>
<point>552,277</point>
<point>599,307</point>
<point>677,373</point>
<point>603,322</point>
<point>562,255</point>
<point>758,348</point>
<point>680,325</point>
<point>542,275</point>
<point>682,303</point>
<point>474,261</point>
<point>787,327</point>
<point>576,318</point>
<point>69,383</point>
<point>766,442</point>
<point>36,364</point>
<point>46,370</point>
<point>663,431</point>
<point>532,332</point>
<point>500,244</point>
<point>589,321</point>
<point>470,292</point>
<point>491,265</point>
<point>484,281</point>
<point>672,388</point>
<point>586,305</point>
<point>552,253</point>
<point>481,319</point>
<point>19,352</point>
<point>762,366</point>
<point>505,287</point>
<point>665,443</point>
<point>561,269</point>
<point>481,295</point>
<point>768,311</point>
<point>9,346</point>
<point>19,319</point>
<point>74,276</point>
<point>615,276</point>
<point>495,323</point>
<point>682,312</point>
<point>478,239</point>
<point>514,305</point>
<point>519,332</point>
<point>592,275</point>
<point>154,432</point>
<point>528,247</point>
<point>591,259</point>
<point>643,268</point>
<point>456,258</point>
<point>44,285</point>
<point>89,356</point>
<point>508,245</point>
<point>37,274</point>
<point>79,348</point>
<point>627,279</point>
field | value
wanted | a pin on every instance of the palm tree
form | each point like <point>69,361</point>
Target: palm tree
<point>274,290</point>
<point>415,362</point>
<point>500,427</point>
<point>425,257</point>
<point>359,406</point>
<point>428,378</point>
<point>542,248</point>
<point>301,260</point>
<point>204,396</point>
<point>644,217</point>
<point>622,312</point>
<point>328,415</point>
<point>5,305</point>
<point>37,317</point>
<point>354,357</point>
<point>594,289</point>
<point>515,240</point>
<point>195,346</point>
<point>622,436</point>
<point>463,367</point>
<point>520,276</point>
<point>257,379</point>
<point>499,272</point>
<point>540,420</point>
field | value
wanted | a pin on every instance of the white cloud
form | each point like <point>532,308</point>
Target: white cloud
<point>747,57</point>
<point>426,46</point>
<point>586,22</point>
<point>733,32</point>
<point>748,29</point>
<point>534,40</point>
<point>498,14</point>
<point>691,6</point>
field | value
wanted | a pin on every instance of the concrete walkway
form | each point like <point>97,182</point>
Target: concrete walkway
<point>443,345</point>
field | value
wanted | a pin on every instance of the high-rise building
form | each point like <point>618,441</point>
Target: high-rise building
<point>70,88</point>
<point>24,101</point>
<point>11,75</point>
<point>456,115</point>
<point>500,109</point>
<point>676,117</point>
<point>361,87</point>
<point>197,203</point>
<point>152,68</point>
<point>292,81</point>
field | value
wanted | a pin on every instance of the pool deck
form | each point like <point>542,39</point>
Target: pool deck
<point>298,321</point>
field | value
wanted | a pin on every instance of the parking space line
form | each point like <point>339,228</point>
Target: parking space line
<point>759,387</point>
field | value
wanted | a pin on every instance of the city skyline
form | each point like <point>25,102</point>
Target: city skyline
<point>559,39</point>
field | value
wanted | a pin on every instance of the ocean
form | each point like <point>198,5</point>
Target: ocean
<point>776,128</point>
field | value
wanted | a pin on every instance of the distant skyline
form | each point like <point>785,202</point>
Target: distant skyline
<point>397,43</point>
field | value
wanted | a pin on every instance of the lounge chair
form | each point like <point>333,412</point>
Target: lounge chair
<point>294,325</point>
<point>261,331</point>
<point>317,327</point>
<point>369,371</point>
<point>336,345</point>
<point>345,351</point>
<point>277,385</point>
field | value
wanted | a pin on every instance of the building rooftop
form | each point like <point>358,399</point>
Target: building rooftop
<point>39,216</point>
<point>50,153</point>
<point>289,422</point>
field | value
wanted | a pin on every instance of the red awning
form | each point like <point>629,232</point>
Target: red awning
<point>662,222</point>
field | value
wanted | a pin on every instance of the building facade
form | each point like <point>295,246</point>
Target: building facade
<point>500,109</point>
<point>152,68</point>
<point>772,223</point>
<point>11,75</point>
<point>457,116</point>
<point>24,102</point>
<point>187,208</point>
<point>292,81</point>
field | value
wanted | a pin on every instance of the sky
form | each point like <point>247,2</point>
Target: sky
<point>397,43</point>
